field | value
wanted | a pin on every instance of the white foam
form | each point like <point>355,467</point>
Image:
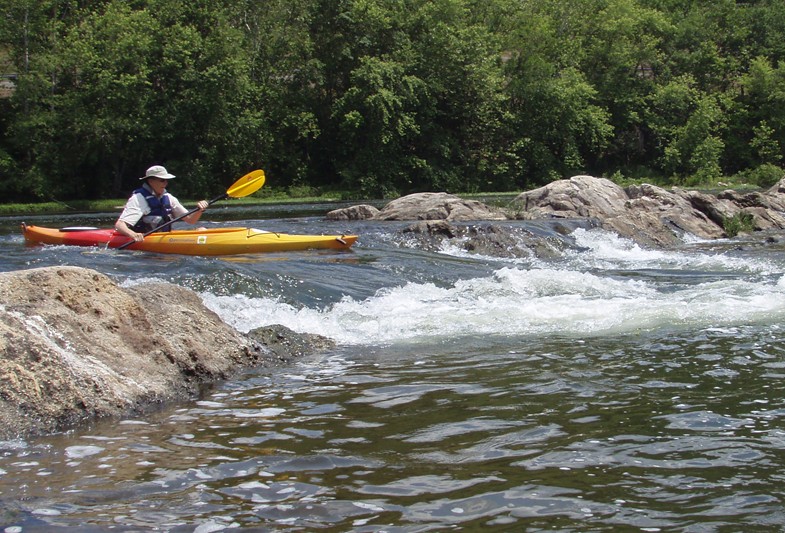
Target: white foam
<point>516,301</point>
<point>80,452</point>
<point>604,249</point>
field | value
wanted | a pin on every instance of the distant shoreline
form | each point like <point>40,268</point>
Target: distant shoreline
<point>111,205</point>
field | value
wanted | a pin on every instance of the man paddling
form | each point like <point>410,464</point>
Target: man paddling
<point>150,206</point>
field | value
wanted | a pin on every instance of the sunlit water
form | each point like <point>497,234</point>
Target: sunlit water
<point>612,389</point>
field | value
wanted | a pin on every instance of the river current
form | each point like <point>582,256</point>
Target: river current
<point>610,388</point>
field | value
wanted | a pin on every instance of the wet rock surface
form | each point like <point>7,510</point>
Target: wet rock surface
<point>546,240</point>
<point>76,346</point>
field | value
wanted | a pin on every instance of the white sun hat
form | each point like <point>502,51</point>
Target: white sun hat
<point>157,171</point>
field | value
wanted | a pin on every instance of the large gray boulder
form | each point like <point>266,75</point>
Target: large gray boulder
<point>422,206</point>
<point>577,197</point>
<point>646,213</point>
<point>649,214</point>
<point>75,346</point>
<point>356,212</point>
<point>438,206</point>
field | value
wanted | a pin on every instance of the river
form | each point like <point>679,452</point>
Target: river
<point>610,388</point>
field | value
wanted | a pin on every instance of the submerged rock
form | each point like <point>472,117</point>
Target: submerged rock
<point>285,345</point>
<point>75,347</point>
<point>547,240</point>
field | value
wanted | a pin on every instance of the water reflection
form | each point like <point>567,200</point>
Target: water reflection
<point>600,434</point>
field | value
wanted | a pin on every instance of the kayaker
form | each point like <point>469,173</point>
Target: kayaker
<point>150,206</point>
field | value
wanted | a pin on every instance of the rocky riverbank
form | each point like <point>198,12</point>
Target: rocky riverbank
<point>647,214</point>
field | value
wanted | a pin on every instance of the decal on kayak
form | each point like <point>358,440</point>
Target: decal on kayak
<point>200,239</point>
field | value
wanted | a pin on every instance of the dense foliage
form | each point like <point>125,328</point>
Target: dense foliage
<point>385,97</point>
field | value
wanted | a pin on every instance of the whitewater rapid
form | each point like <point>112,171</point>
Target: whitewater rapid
<point>605,285</point>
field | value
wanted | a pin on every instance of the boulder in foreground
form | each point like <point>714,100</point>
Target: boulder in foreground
<point>76,346</point>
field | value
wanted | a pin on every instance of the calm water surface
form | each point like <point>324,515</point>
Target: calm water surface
<point>612,388</point>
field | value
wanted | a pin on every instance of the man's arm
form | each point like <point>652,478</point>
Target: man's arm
<point>194,217</point>
<point>131,214</point>
<point>121,227</point>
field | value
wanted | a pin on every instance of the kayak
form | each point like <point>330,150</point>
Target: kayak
<point>218,241</point>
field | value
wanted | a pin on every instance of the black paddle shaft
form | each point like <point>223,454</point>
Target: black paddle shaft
<point>169,223</point>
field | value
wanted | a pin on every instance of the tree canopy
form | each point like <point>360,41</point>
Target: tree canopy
<point>387,97</point>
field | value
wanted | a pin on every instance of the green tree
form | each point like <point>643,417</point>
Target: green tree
<point>283,70</point>
<point>558,126</point>
<point>414,93</point>
<point>766,20</point>
<point>763,97</point>
<point>622,58</point>
<point>106,66</point>
<point>469,117</point>
<point>387,96</point>
<point>29,32</point>
<point>202,104</point>
<point>764,145</point>
<point>378,124</point>
<point>689,125</point>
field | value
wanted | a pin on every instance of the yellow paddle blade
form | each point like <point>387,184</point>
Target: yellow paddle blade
<point>248,184</point>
